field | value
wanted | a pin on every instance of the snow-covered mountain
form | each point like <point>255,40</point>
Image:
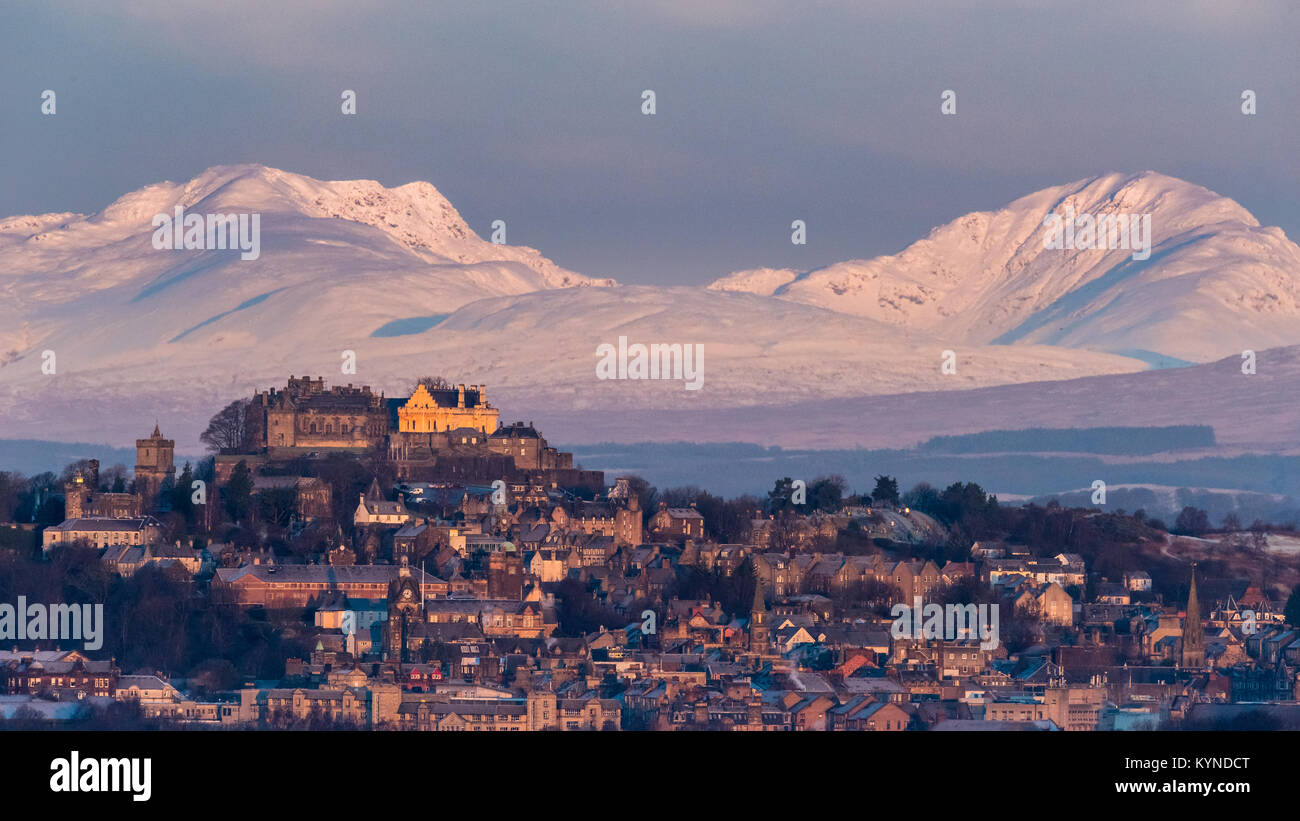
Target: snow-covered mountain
<point>395,276</point>
<point>1216,282</point>
<point>94,287</point>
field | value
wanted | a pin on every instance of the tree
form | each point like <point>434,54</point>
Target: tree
<point>923,498</point>
<point>1292,610</point>
<point>38,499</point>
<point>886,491</point>
<point>781,497</point>
<point>230,430</point>
<point>114,478</point>
<point>1191,521</point>
<point>431,383</point>
<point>277,505</point>
<point>213,675</point>
<point>347,480</point>
<point>728,522</point>
<point>1259,535</point>
<point>827,493</point>
<point>783,532</point>
<point>238,493</point>
<point>51,510</point>
<point>182,493</point>
<point>11,488</point>
<point>80,467</point>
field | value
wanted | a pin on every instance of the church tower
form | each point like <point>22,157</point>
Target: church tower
<point>154,464</point>
<point>1193,631</point>
<point>759,629</point>
<point>405,599</point>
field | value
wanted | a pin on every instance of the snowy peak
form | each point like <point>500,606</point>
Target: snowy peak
<point>414,216</point>
<point>336,260</point>
<point>1208,280</point>
<point>760,281</point>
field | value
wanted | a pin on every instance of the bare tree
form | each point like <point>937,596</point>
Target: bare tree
<point>1259,535</point>
<point>431,383</point>
<point>230,430</point>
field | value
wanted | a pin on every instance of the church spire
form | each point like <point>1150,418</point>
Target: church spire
<point>1193,631</point>
<point>759,631</point>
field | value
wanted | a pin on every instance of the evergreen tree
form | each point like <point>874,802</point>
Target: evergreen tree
<point>886,491</point>
<point>180,495</point>
<point>1292,611</point>
<point>238,493</point>
<point>781,496</point>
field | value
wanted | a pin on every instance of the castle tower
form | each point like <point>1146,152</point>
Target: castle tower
<point>759,629</point>
<point>76,493</point>
<point>1193,631</point>
<point>154,464</point>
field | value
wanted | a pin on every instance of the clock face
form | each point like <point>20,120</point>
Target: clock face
<point>406,594</point>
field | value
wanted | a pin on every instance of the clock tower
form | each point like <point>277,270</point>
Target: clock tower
<point>405,601</point>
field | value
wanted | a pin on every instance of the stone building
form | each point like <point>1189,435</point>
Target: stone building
<point>676,523</point>
<point>444,409</point>
<point>103,532</point>
<point>83,499</point>
<point>58,674</point>
<point>154,458</point>
<point>302,585</point>
<point>527,447</point>
<point>374,509</point>
<point>306,416</point>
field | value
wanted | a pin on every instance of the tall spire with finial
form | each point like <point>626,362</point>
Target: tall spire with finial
<point>759,631</point>
<point>1193,631</point>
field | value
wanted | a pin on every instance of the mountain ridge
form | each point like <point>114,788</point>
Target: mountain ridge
<point>397,279</point>
<point>985,277</point>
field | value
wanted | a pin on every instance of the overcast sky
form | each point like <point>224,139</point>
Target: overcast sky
<point>767,111</point>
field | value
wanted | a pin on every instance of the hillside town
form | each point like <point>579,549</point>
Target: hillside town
<point>345,559</point>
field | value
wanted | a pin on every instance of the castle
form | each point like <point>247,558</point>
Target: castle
<point>436,433</point>
<point>305,416</point>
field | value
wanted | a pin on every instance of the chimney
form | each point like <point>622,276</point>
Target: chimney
<point>460,401</point>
